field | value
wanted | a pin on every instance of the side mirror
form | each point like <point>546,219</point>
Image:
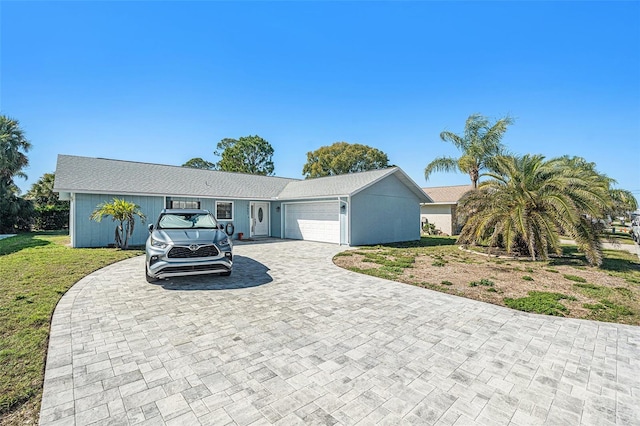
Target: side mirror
<point>150,227</point>
<point>220,226</point>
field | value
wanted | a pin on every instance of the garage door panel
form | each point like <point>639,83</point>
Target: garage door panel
<point>313,221</point>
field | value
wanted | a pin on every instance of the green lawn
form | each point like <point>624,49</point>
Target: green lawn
<point>36,269</point>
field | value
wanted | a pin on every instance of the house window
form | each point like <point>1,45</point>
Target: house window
<point>178,204</point>
<point>224,210</point>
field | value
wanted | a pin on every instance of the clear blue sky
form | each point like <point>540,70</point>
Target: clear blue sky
<point>163,82</point>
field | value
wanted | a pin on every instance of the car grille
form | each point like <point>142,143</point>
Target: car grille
<point>187,253</point>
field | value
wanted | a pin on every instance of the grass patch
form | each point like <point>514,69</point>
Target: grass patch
<point>625,292</point>
<point>376,272</point>
<point>36,270</point>
<point>439,262</point>
<point>527,278</point>
<point>483,282</point>
<point>540,302</point>
<point>574,278</point>
<point>445,282</point>
<point>553,271</point>
<point>593,291</point>
<point>347,253</point>
<point>607,310</point>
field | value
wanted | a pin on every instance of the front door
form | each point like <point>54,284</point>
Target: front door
<point>260,219</point>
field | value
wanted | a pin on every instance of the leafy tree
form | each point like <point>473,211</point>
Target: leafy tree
<point>528,202</point>
<point>249,154</point>
<point>199,163</point>
<point>15,212</point>
<point>479,145</point>
<point>124,213</point>
<point>51,213</point>
<point>342,158</point>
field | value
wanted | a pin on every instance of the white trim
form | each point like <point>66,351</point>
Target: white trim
<point>233,213</point>
<point>441,203</point>
<point>164,194</point>
<point>72,219</point>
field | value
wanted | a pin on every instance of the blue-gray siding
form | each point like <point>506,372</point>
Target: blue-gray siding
<point>385,212</point>
<point>89,233</point>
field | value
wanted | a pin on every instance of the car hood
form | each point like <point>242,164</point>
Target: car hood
<point>190,236</point>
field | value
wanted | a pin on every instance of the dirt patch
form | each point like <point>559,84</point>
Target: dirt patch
<point>491,279</point>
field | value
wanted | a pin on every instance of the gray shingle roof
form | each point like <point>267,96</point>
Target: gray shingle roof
<point>344,185</point>
<point>99,175</point>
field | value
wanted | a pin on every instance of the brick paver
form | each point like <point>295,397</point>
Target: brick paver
<point>290,338</point>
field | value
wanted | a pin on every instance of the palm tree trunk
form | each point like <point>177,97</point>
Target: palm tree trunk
<point>474,175</point>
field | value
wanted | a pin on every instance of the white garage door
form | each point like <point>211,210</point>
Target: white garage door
<point>313,221</point>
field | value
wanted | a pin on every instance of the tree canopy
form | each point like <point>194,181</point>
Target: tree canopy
<point>480,143</point>
<point>41,192</point>
<point>249,154</point>
<point>342,158</point>
<point>13,149</point>
<point>14,211</point>
<point>50,211</point>
<point>199,163</point>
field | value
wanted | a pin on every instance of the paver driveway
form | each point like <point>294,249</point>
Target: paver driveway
<point>290,338</point>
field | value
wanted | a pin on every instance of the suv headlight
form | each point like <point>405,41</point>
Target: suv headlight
<point>224,242</point>
<point>158,243</point>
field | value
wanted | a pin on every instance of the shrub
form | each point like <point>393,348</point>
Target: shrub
<point>51,217</point>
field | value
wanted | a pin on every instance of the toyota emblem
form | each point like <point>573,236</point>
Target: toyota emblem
<point>193,247</point>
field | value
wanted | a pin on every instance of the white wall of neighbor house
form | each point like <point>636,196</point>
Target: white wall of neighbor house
<point>441,215</point>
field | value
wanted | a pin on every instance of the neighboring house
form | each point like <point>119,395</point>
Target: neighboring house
<point>374,207</point>
<point>442,210</point>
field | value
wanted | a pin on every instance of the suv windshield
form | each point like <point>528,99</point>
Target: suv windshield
<point>187,221</point>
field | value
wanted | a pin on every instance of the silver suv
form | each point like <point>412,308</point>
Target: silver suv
<point>187,242</point>
<point>635,229</point>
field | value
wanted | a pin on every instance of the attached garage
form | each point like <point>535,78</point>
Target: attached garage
<point>313,221</point>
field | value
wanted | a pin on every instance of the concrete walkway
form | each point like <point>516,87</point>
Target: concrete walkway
<point>290,338</point>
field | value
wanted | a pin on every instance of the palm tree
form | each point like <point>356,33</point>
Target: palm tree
<point>529,202</point>
<point>13,146</point>
<point>122,211</point>
<point>41,192</point>
<point>624,202</point>
<point>480,143</point>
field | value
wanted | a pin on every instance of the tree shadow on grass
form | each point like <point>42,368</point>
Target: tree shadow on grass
<point>246,273</point>
<point>24,241</point>
<point>612,261</point>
